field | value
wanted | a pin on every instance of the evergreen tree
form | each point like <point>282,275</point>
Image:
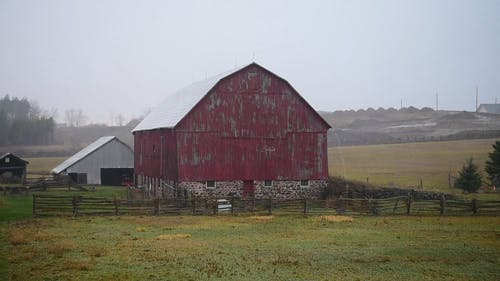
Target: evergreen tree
<point>493,165</point>
<point>469,178</point>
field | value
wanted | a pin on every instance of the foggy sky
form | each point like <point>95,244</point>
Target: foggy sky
<point>110,57</point>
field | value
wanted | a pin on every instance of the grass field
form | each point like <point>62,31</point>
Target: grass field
<point>254,248</point>
<point>43,165</point>
<point>19,207</point>
<point>264,248</point>
<point>405,164</point>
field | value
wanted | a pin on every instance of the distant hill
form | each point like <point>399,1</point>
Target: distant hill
<point>410,124</point>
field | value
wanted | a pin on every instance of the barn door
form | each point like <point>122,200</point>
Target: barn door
<point>82,178</point>
<point>248,188</point>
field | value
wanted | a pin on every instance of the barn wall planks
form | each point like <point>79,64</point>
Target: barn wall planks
<point>251,126</point>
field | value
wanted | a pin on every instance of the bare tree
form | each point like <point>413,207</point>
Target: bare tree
<point>111,119</point>
<point>120,120</point>
<point>75,117</point>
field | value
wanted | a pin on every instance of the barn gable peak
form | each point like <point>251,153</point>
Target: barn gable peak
<point>177,105</point>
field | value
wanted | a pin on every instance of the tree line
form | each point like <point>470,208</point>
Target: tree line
<point>24,123</point>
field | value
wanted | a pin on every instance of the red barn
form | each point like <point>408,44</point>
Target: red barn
<point>246,132</point>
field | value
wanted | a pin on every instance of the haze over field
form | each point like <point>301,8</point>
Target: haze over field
<point>110,57</point>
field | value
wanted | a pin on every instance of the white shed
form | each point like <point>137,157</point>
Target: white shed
<point>106,161</point>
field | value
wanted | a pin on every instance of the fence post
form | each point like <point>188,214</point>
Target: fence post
<point>75,208</point>
<point>409,203</point>
<point>115,201</point>
<point>305,206</point>
<point>194,205</point>
<point>232,204</point>
<point>270,212</point>
<point>34,205</point>
<point>253,204</point>
<point>395,206</point>
<point>156,204</point>
<point>373,204</point>
<point>442,204</point>
<point>474,206</point>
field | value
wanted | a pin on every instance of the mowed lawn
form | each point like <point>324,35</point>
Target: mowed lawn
<point>253,248</point>
<point>405,164</point>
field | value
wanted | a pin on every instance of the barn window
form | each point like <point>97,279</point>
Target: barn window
<point>304,183</point>
<point>268,183</point>
<point>7,160</point>
<point>210,184</point>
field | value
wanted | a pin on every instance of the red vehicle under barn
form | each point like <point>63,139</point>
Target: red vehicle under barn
<point>246,132</point>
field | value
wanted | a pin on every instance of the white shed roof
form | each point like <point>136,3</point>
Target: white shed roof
<point>489,108</point>
<point>82,154</point>
<point>168,113</point>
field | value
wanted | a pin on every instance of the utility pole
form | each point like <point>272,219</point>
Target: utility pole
<point>477,97</point>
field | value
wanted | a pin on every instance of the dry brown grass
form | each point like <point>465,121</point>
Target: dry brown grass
<point>173,236</point>
<point>18,236</point>
<point>29,253</point>
<point>79,265</point>
<point>42,236</point>
<point>262,218</point>
<point>97,251</point>
<point>336,218</point>
<point>60,248</point>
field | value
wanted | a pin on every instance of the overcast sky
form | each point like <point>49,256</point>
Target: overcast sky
<point>110,57</point>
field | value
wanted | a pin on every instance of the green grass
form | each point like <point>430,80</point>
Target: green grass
<point>246,248</point>
<point>280,248</point>
<point>19,207</point>
<point>16,207</point>
<point>405,164</point>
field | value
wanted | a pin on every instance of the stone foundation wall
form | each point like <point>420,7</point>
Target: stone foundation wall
<point>278,190</point>
<point>222,189</point>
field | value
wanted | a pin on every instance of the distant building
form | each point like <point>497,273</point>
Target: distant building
<point>492,108</point>
<point>247,132</point>
<point>12,168</point>
<point>106,161</point>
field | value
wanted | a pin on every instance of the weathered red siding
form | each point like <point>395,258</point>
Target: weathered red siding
<point>252,126</point>
<point>156,154</point>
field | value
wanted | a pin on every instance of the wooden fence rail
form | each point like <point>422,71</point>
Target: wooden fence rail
<point>76,205</point>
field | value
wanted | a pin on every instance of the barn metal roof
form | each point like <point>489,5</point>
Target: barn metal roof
<point>175,106</point>
<point>82,154</point>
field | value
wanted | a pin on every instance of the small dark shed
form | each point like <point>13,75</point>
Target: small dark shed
<point>12,168</point>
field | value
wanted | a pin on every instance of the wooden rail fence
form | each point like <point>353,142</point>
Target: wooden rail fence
<point>75,205</point>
